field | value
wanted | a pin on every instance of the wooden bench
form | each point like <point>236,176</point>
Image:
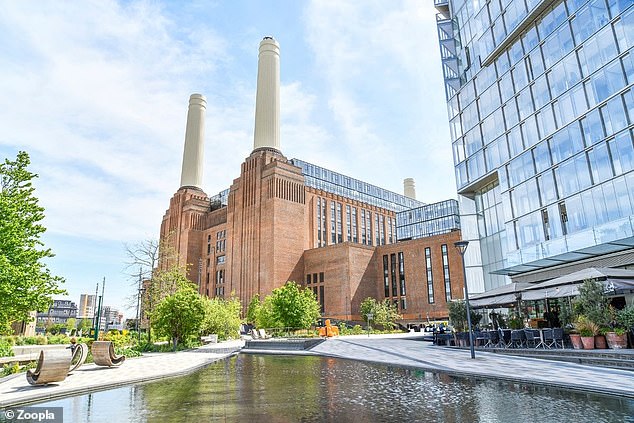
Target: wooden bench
<point>52,366</point>
<point>79,356</point>
<point>103,354</point>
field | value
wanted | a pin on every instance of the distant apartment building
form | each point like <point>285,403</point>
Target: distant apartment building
<point>112,319</point>
<point>541,112</point>
<point>58,313</point>
<point>87,305</point>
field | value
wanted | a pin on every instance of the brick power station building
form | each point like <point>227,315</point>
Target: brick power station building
<point>287,219</point>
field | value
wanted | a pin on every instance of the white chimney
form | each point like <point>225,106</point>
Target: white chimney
<point>193,155</point>
<point>267,99</point>
<point>409,189</point>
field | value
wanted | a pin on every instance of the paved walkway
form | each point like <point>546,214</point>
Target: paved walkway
<point>15,390</point>
<point>423,355</point>
<point>394,350</point>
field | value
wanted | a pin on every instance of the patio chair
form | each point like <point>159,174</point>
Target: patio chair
<point>505,338</point>
<point>52,366</point>
<point>494,339</point>
<point>255,334</point>
<point>79,357</point>
<point>518,338</point>
<point>532,340</point>
<point>103,354</point>
<point>549,339</point>
<point>558,337</point>
<point>480,338</point>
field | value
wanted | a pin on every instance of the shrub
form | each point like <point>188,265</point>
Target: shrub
<point>9,369</point>
<point>586,327</point>
<point>625,317</point>
<point>5,348</point>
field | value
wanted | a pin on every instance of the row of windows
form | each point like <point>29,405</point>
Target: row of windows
<point>430,274</point>
<point>314,279</point>
<point>394,271</point>
<point>319,178</point>
<point>358,225</point>
<point>593,166</point>
<point>607,202</point>
<point>320,295</point>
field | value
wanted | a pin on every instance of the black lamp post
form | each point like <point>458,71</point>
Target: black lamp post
<point>461,246</point>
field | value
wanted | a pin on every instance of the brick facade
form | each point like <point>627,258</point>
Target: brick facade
<point>274,228</point>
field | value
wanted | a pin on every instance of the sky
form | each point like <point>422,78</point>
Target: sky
<point>97,93</point>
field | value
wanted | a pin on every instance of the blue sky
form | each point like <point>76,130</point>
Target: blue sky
<point>97,92</point>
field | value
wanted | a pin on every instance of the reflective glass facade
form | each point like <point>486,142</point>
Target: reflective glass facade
<point>428,220</point>
<point>541,109</point>
<point>336,183</point>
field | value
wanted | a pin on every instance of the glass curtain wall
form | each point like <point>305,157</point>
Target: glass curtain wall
<point>541,124</point>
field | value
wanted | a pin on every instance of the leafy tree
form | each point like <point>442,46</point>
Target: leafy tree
<point>294,307</point>
<point>222,317</point>
<point>265,317</point>
<point>84,325</point>
<point>254,309</point>
<point>71,323</point>
<point>153,267</point>
<point>26,283</point>
<point>181,314</point>
<point>458,315</point>
<point>384,313</point>
<point>593,303</point>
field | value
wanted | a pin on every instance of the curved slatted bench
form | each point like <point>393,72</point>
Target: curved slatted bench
<point>103,354</point>
<point>79,357</point>
<point>52,366</point>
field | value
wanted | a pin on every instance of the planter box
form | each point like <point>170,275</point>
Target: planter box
<point>600,343</point>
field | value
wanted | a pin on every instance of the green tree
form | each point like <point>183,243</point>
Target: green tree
<point>384,313</point>
<point>458,315</point>
<point>84,325</point>
<point>153,267</point>
<point>293,306</point>
<point>179,315</point>
<point>222,317</point>
<point>593,303</point>
<point>254,309</point>
<point>26,283</point>
<point>71,324</point>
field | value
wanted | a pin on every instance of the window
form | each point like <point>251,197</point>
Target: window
<point>401,273</point>
<point>393,274</point>
<point>355,235</point>
<point>308,279</point>
<point>322,301</point>
<point>386,276</point>
<point>333,223</point>
<point>339,223</point>
<point>445,265</point>
<point>430,278</point>
<point>220,259</point>
<point>321,277</point>
<point>348,223</point>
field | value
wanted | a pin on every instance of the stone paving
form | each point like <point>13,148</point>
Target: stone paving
<point>393,350</point>
<point>413,353</point>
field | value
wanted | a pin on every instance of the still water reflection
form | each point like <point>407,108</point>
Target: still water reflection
<point>251,388</point>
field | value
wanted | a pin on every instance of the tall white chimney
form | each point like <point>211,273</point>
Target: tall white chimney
<point>267,99</point>
<point>409,189</point>
<point>193,155</point>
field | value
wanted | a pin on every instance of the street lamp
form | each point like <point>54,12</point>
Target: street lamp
<point>461,246</point>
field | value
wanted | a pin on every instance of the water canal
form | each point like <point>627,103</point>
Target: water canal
<point>257,388</point>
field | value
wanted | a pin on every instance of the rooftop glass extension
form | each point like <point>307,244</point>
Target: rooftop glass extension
<point>336,183</point>
<point>428,220</point>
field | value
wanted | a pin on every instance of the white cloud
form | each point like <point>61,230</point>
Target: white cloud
<point>380,63</point>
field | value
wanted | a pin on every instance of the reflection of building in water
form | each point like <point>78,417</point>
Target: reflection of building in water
<point>287,219</point>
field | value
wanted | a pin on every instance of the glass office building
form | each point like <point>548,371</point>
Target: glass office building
<point>541,108</point>
<point>428,220</point>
